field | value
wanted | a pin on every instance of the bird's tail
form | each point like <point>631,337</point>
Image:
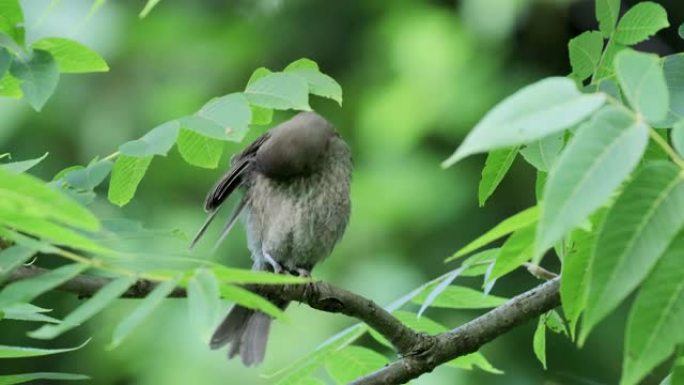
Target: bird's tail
<point>247,332</point>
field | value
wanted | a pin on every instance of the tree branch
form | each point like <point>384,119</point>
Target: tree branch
<point>419,353</point>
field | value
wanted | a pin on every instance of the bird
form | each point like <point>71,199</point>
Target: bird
<point>295,180</point>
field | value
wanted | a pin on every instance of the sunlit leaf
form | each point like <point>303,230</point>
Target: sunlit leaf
<point>319,83</point>
<point>517,250</point>
<point>248,299</point>
<point>543,153</point>
<point>597,159</point>
<point>231,113</point>
<point>643,83</point>
<point>673,68</point>
<point>641,22</point>
<point>127,173</point>
<point>654,325</point>
<point>352,363</point>
<point>607,12</point>
<point>606,69</point>
<point>280,91</point>
<point>473,360</point>
<point>636,231</point>
<point>232,275</point>
<point>434,292</point>
<point>156,142</point>
<point>538,110</point>
<point>86,310</point>
<point>458,297</point>
<point>496,166</point>
<point>72,56</point>
<point>575,272</point>
<point>199,150</point>
<point>9,87</point>
<point>507,226</point>
<point>39,75</point>
<point>585,52</point>
<point>11,13</point>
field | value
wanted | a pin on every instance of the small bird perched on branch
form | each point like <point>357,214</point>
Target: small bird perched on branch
<point>295,180</point>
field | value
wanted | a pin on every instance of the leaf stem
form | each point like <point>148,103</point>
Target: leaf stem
<point>667,148</point>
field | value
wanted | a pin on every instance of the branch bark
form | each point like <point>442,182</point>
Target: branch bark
<point>419,352</point>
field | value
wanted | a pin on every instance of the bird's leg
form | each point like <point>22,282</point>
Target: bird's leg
<point>303,272</point>
<point>277,267</point>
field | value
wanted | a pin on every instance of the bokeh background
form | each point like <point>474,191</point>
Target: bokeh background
<point>416,75</point>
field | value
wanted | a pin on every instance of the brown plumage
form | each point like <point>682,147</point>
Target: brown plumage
<point>295,179</point>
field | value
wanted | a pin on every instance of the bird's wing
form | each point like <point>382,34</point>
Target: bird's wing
<point>229,182</point>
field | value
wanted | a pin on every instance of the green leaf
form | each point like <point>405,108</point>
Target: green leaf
<point>636,231</point>
<point>606,68</point>
<point>231,113</point>
<point>607,13</point>
<point>543,153</point>
<point>244,276</point>
<point>539,184</point>
<point>641,22</point>
<point>156,142</point>
<point>12,19</point>
<point>203,300</point>
<point>199,150</point>
<point>538,110</point>
<point>673,68</point>
<point>87,178</point>
<point>680,30</point>
<point>72,56</point>
<point>11,379</point>
<point>142,312</point>
<point>643,83</point>
<point>678,370</point>
<point>319,83</point>
<point>258,73</point>
<point>507,226</point>
<point>27,195</point>
<point>479,263</point>
<point>600,156</point>
<point>261,115</point>
<point>280,91</point>
<point>654,325</point>
<point>48,230</point>
<point>677,137</point>
<point>27,312</point>
<point>13,257</point>
<point>85,311</point>
<point>353,362</point>
<point>149,5</point>
<point>515,251</point>
<point>575,272</point>
<point>5,61</point>
<point>127,173</point>
<point>28,289</point>
<point>22,166</point>
<point>9,87</point>
<point>585,53</point>
<point>539,341</point>
<point>458,297</point>
<point>248,299</point>
<point>436,290</point>
<point>305,366</point>
<point>472,360</point>
<point>22,351</point>
<point>39,76</point>
<point>496,166</point>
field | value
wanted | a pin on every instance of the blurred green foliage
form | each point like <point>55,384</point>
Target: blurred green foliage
<point>417,75</point>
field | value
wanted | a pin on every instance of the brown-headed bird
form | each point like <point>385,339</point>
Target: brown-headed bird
<point>295,179</point>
